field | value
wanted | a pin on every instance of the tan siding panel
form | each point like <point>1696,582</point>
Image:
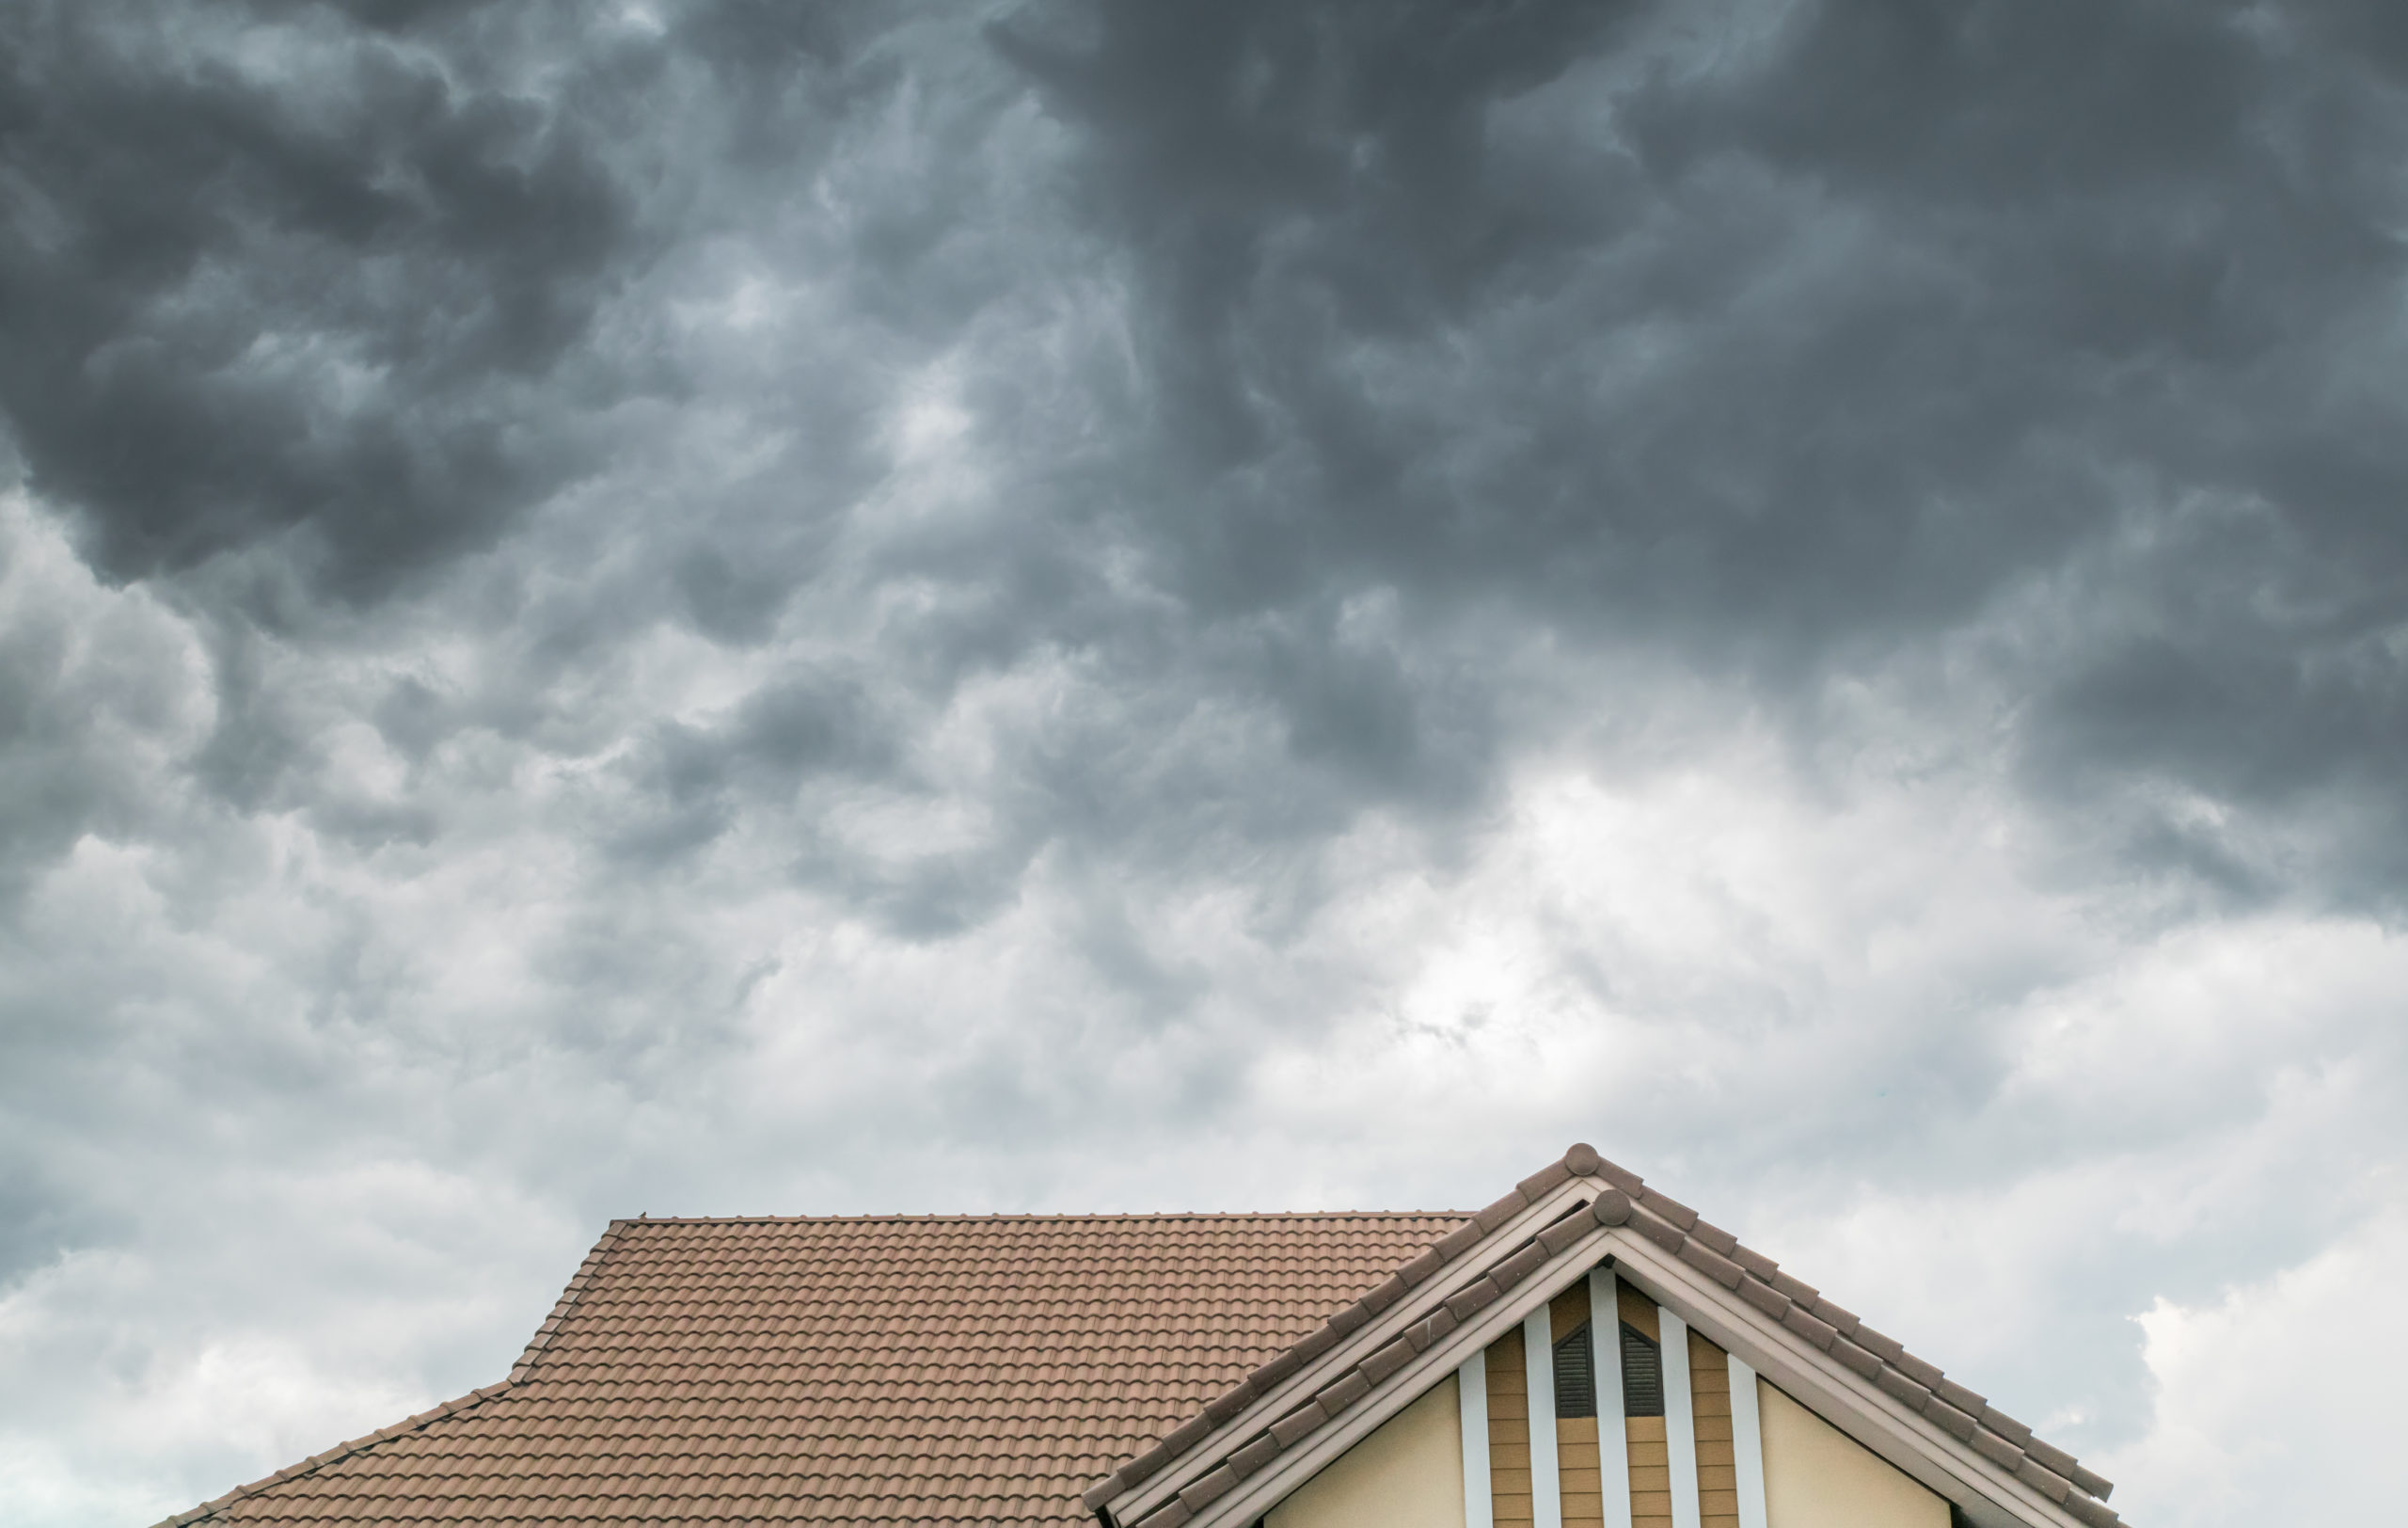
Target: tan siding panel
<point>1581,1477</point>
<point>1717,1498</point>
<point>1650,1470</point>
<point>1567,1311</point>
<point>1638,1310</point>
<point>1509,1431</point>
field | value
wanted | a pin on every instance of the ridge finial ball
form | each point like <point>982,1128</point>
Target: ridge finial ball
<point>1582,1159</point>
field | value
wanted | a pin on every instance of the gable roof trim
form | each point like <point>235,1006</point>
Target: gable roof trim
<point>1905,1427</point>
<point>1234,1482</point>
<point>1252,1478</point>
<point>1286,1400</point>
<point>1705,1251</point>
<point>1883,1361</point>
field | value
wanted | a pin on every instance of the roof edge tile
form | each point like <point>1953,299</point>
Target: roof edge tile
<point>335,1455</point>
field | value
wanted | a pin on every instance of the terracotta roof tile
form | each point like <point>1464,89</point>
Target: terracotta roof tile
<point>881,1370</point>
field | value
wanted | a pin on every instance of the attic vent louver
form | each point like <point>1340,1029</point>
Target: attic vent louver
<point>1642,1374</point>
<point>1575,1379</point>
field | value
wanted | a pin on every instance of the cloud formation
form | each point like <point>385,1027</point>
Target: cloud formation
<point>712,606</point>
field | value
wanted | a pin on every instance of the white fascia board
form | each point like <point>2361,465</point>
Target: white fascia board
<point>1987,1495</point>
<point>1680,1417</point>
<point>1604,1361</point>
<point>1364,1341</point>
<point>1538,1385</point>
<point>1747,1443</point>
<point>1260,1492</point>
<point>1471,1397</point>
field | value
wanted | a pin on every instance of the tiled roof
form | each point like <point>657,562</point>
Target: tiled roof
<point>957,1369</point>
<point>886,1370</point>
<point>1623,1200</point>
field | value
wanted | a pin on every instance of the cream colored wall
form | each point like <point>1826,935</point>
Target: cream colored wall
<point>1407,1474</point>
<point>1817,1476</point>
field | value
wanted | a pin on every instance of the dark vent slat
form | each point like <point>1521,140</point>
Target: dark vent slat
<point>1575,1377</point>
<point>1642,1374</point>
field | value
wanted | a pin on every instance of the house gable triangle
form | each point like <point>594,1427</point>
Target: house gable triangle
<point>1265,1436</point>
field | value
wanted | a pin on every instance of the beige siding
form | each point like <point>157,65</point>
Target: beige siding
<point>1584,1500</point>
<point>1638,1310</point>
<point>1816,1476</point>
<point>1651,1473</point>
<point>1509,1431</point>
<point>1717,1484</point>
<point>1407,1474</point>
<point>1567,1311</point>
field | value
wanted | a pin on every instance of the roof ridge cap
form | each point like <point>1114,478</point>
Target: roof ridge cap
<point>335,1455</point>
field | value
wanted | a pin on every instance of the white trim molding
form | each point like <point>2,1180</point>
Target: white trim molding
<point>1605,1365</point>
<point>1471,1397</point>
<point>1538,1369</point>
<point>1680,1418</point>
<point>1988,1496</point>
<point>1747,1443</point>
<point>1264,1490</point>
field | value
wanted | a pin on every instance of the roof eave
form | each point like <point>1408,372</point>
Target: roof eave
<point>1986,1493</point>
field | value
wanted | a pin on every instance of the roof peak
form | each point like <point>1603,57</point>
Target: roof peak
<point>1303,1393</point>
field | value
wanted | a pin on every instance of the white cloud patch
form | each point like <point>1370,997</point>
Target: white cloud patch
<point>2281,1392</point>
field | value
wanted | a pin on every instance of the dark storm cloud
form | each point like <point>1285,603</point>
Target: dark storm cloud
<point>338,271</point>
<point>1789,343</point>
<point>278,269</point>
<point>1777,342</point>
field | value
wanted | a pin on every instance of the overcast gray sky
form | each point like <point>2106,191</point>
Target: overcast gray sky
<point>713,607</point>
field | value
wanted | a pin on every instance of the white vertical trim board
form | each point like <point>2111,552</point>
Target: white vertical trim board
<point>1605,1364</point>
<point>1680,1421</point>
<point>1538,1362</point>
<point>1471,1401</point>
<point>1747,1444</point>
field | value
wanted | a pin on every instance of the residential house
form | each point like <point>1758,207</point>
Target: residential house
<point>1584,1353</point>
